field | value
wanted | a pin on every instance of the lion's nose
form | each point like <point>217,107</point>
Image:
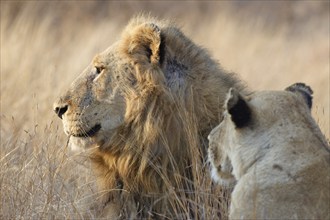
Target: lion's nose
<point>60,110</point>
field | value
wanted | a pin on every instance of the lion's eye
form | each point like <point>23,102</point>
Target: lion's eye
<point>98,69</point>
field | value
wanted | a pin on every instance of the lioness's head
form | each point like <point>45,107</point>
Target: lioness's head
<point>249,122</point>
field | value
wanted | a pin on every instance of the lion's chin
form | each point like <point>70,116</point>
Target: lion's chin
<point>78,144</point>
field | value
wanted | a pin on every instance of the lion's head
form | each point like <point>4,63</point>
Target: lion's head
<point>94,106</point>
<point>147,104</point>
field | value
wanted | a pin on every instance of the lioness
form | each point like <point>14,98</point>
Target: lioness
<point>270,144</point>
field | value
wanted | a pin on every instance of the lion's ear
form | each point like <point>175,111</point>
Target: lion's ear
<point>145,44</point>
<point>304,90</point>
<point>238,108</point>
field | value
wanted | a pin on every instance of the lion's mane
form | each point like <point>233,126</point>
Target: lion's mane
<point>174,95</point>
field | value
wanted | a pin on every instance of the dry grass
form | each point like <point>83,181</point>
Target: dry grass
<point>44,45</point>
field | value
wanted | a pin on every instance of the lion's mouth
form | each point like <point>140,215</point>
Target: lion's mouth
<point>89,133</point>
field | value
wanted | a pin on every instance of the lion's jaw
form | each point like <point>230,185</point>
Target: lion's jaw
<point>98,134</point>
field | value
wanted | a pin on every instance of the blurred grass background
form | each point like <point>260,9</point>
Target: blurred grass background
<point>46,44</point>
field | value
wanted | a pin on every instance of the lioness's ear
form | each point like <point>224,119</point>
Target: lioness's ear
<point>304,90</point>
<point>145,43</point>
<point>238,108</point>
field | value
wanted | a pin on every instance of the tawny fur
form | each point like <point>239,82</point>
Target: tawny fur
<point>280,159</point>
<point>156,96</point>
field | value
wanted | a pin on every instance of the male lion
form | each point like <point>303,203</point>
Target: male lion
<point>144,108</point>
<point>271,145</point>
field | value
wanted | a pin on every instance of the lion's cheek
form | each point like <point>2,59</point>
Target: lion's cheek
<point>108,128</point>
<point>111,123</point>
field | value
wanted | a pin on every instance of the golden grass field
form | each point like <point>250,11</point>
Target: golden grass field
<point>45,45</point>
